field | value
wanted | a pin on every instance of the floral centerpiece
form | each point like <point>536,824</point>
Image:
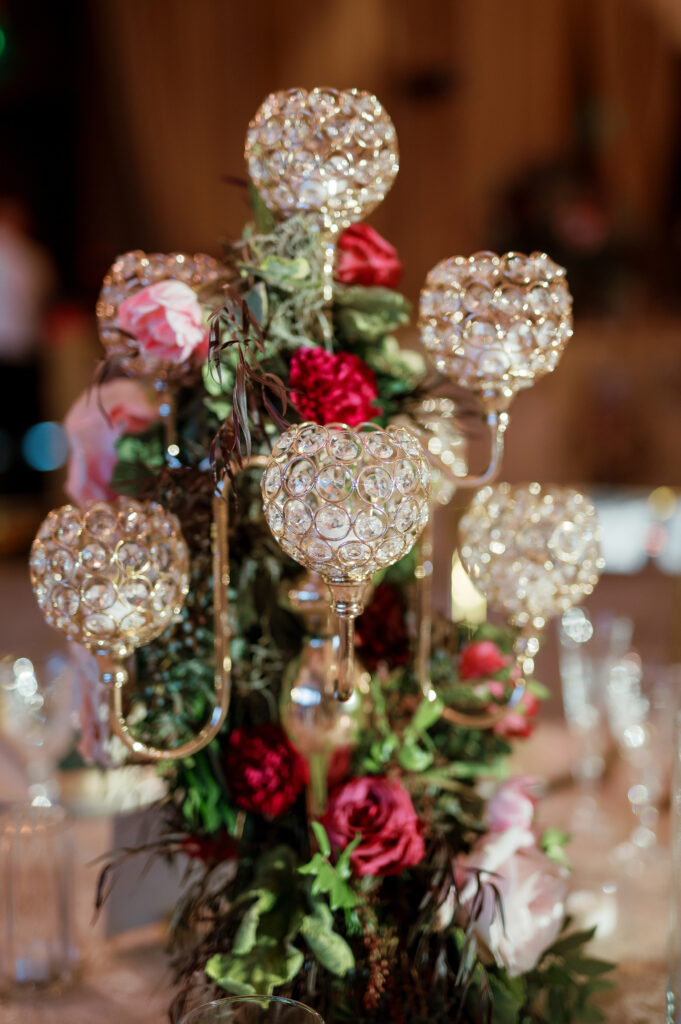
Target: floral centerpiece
<point>372,858</point>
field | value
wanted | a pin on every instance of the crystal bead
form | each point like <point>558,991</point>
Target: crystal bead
<point>100,522</point>
<point>65,600</point>
<point>332,522</point>
<point>133,558</point>
<point>93,557</point>
<point>374,485</point>
<point>300,477</point>
<point>345,447</point>
<point>334,482</point>
<point>99,625</point>
<point>99,594</point>
<point>135,591</point>
<point>62,563</point>
<point>370,525</point>
<point>297,516</point>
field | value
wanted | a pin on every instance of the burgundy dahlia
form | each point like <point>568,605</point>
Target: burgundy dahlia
<point>264,771</point>
<point>332,387</point>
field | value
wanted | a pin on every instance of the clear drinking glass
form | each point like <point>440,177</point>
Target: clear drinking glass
<point>253,1010</point>
<point>588,648</point>
<point>36,895</point>
<point>641,705</point>
<point>673,1014</point>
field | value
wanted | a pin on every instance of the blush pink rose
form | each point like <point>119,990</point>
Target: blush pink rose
<point>93,424</point>
<point>166,321</point>
<point>512,806</point>
<point>519,721</point>
<point>532,888</point>
<point>381,810</point>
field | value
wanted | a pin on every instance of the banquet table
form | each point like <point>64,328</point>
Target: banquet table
<point>125,978</point>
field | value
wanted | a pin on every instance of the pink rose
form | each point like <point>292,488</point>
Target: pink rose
<point>381,810</point>
<point>532,888</point>
<point>480,659</point>
<point>512,806</point>
<point>332,387</point>
<point>365,257</point>
<point>519,721</point>
<point>93,424</point>
<point>166,321</point>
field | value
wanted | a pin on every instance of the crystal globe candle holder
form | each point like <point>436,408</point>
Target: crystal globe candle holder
<point>329,152</point>
<point>346,502</point>
<point>495,324</point>
<point>533,552</point>
<point>112,577</point>
<point>129,274</point>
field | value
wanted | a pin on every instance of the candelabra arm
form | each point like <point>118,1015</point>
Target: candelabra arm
<point>525,648</point>
<point>114,674</point>
<point>497,422</point>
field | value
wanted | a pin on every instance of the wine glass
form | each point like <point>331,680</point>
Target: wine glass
<point>253,1010</point>
<point>640,705</point>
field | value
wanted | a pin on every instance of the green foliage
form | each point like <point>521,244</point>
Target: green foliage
<point>563,986</point>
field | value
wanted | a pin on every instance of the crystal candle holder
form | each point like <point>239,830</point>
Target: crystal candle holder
<point>329,152</point>
<point>496,324</point>
<point>346,502</point>
<point>112,577</point>
<point>533,552</point>
<point>129,274</point>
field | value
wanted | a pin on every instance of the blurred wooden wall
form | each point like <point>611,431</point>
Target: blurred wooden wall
<point>479,91</point>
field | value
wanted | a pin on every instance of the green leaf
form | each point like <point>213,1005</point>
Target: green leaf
<point>343,863</point>
<point>322,838</point>
<point>256,300</point>
<point>269,965</point>
<point>414,758</point>
<point>427,714</point>
<point>589,1015</point>
<point>590,966</point>
<point>509,996</point>
<point>330,948</point>
<point>247,933</point>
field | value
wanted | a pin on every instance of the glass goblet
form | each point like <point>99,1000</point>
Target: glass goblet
<point>253,1010</point>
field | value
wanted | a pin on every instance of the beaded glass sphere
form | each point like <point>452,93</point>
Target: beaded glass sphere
<point>346,502</point>
<point>533,551</point>
<point>325,151</point>
<point>112,575</point>
<point>496,323</point>
<point>129,274</point>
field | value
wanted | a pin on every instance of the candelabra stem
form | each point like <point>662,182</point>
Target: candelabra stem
<point>424,590</point>
<point>347,602</point>
<point>328,241</point>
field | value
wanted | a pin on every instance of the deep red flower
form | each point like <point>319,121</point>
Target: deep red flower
<point>332,387</point>
<point>364,257</point>
<point>210,848</point>
<point>382,629</point>
<point>480,659</point>
<point>381,810</point>
<point>264,771</point>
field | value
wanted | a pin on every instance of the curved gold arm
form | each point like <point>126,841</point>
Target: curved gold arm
<point>525,648</point>
<point>115,675</point>
<point>497,422</point>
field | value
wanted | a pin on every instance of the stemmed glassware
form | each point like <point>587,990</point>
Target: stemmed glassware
<point>253,1010</point>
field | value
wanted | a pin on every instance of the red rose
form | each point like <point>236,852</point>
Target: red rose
<point>382,629</point>
<point>480,659</point>
<point>330,387</point>
<point>264,772</point>
<point>381,810</point>
<point>364,257</point>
